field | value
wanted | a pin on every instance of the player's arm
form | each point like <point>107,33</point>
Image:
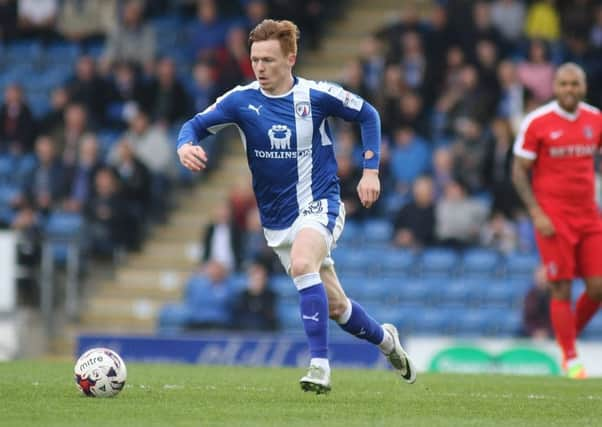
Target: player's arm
<point>208,122</point>
<point>522,163</point>
<point>368,189</point>
<point>351,107</point>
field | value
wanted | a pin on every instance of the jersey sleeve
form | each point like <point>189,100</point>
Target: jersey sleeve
<point>210,121</point>
<point>527,143</point>
<point>339,102</point>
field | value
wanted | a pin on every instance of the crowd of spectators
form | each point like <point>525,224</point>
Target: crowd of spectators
<point>94,92</point>
<point>451,92</point>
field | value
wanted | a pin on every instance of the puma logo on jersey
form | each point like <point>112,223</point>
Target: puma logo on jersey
<point>254,108</point>
<point>556,134</point>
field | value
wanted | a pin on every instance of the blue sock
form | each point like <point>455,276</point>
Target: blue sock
<point>362,325</point>
<point>314,314</point>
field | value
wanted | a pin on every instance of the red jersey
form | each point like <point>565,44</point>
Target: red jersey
<point>563,146</point>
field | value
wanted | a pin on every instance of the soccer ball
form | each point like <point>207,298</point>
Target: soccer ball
<point>100,372</point>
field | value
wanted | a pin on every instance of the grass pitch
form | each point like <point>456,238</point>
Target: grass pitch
<point>44,394</point>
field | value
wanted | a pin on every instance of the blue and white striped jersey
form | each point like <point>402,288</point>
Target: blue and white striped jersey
<point>287,141</point>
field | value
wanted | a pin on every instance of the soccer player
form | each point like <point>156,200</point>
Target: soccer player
<point>282,122</point>
<point>557,144</point>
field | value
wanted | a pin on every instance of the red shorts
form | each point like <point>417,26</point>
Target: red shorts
<point>575,250</point>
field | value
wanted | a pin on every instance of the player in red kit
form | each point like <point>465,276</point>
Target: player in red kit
<point>557,143</point>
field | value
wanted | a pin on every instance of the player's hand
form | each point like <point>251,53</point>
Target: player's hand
<point>542,222</point>
<point>193,157</point>
<point>368,188</point>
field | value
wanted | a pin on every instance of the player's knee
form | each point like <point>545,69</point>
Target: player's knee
<point>301,266</point>
<point>594,289</point>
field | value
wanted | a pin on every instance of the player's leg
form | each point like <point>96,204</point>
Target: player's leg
<point>308,250</point>
<point>558,255</point>
<point>588,252</point>
<point>352,318</point>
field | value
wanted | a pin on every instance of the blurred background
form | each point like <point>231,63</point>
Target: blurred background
<point>103,234</point>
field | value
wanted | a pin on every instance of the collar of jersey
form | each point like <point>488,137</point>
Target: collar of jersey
<point>287,93</point>
<point>565,114</point>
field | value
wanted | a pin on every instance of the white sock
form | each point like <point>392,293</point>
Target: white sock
<point>320,363</point>
<point>387,345</point>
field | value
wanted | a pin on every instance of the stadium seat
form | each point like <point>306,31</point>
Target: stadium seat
<point>288,314</point>
<point>521,265</point>
<point>285,288</point>
<point>439,262</point>
<point>435,321</point>
<point>472,323</point>
<point>417,291</point>
<point>352,234</point>
<point>62,229</point>
<point>480,263</point>
<point>395,262</point>
<point>501,293</point>
<point>461,292</point>
<point>377,232</point>
<point>351,261</point>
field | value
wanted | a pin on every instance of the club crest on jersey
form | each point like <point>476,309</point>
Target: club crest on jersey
<point>314,208</point>
<point>303,109</point>
<point>588,132</point>
<point>280,137</point>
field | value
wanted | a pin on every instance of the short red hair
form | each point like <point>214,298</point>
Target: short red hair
<point>286,32</point>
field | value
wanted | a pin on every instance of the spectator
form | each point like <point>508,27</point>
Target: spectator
<point>508,17</point>
<point>204,88</point>
<point>469,153</point>
<point>126,95</point>
<point>499,234</point>
<point>80,177</point>
<point>373,63</point>
<point>88,89</point>
<point>132,40</point>
<point>414,224</point>
<point>595,37</point>
<point>37,19</point>
<point>68,138</point>
<point>410,113</point>
<point>167,102</point>
<point>208,32</point>
<point>536,311</point>
<point>211,297</point>
<point>512,93</point>
<point>413,60</point>
<point>410,158</point>
<point>233,65</point>
<point>45,183</point>
<point>458,217</point>
<point>537,72</point>
<point>222,241</point>
<point>86,21</point>
<point>109,226</point>
<point>135,180</point>
<point>349,177</point>
<point>242,201</point>
<point>443,165</point>
<point>53,120</point>
<point>17,125</point>
<point>543,21</point>
<point>254,308</point>
<point>389,96</point>
<point>496,169</point>
<point>8,20</point>
<point>353,79</point>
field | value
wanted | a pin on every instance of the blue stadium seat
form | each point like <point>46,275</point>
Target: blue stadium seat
<point>61,53</point>
<point>417,291</point>
<point>62,228</point>
<point>351,261</point>
<point>23,52</point>
<point>394,262</point>
<point>439,262</point>
<point>472,323</point>
<point>7,194</point>
<point>481,263</point>
<point>435,321</point>
<point>501,293</point>
<point>593,328</point>
<point>461,292</point>
<point>289,316</point>
<point>377,231</point>
<point>521,265</point>
<point>283,285</point>
<point>352,234</point>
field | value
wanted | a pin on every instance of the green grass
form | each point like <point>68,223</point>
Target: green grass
<point>43,394</point>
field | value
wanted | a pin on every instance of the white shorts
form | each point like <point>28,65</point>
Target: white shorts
<point>316,217</point>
